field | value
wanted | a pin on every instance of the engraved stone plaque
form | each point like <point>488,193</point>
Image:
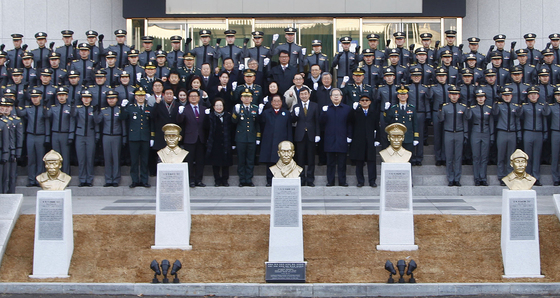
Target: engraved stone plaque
<point>51,219</point>
<point>285,272</point>
<point>286,206</point>
<point>397,190</point>
<point>171,190</point>
<point>522,218</point>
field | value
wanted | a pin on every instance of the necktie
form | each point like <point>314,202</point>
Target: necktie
<point>305,109</point>
<point>402,107</point>
<point>196,111</point>
<point>365,112</point>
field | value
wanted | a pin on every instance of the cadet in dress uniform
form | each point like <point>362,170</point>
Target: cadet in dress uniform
<point>295,50</point>
<point>162,71</point>
<point>456,52</point>
<point>401,70</point>
<point>508,131</point>
<point>83,65</point>
<point>60,75</point>
<point>379,57</point>
<point>500,41</point>
<point>114,136</point>
<point>478,56</point>
<point>38,133</point>
<point>372,75</point>
<point>60,117</point>
<point>419,96</point>
<point>546,89</point>
<point>74,88</point>
<point>99,90</point>
<point>259,52</point>
<point>41,54</point>
<point>386,97</point>
<point>111,70</point>
<point>120,49</point>
<point>140,136</point>
<point>405,56</point>
<point>4,78</point>
<point>481,136</point>
<point>247,137</point>
<point>490,86</point>
<point>230,50</point>
<point>66,51</point>
<point>555,46</point>
<point>529,71</point>
<point>135,70</point>
<point>29,73</point>
<point>14,55</point>
<point>456,129</point>
<point>125,90</point>
<point>85,133</point>
<point>452,70</point>
<point>535,127</point>
<point>519,88</point>
<point>554,136</point>
<point>205,53</point>
<point>426,40</point>
<point>553,69</point>
<point>44,84</point>
<point>345,61</point>
<point>467,87</point>
<point>16,144</point>
<point>534,55</point>
<point>94,51</point>
<point>18,88</point>
<point>175,56</point>
<point>317,57</point>
<point>147,55</point>
<point>428,70</point>
<point>440,95</point>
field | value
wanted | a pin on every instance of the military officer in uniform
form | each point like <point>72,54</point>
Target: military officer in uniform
<point>440,95</point>
<point>49,91</point>
<point>426,68</point>
<point>259,52</point>
<point>18,87</point>
<point>249,77</point>
<point>162,71</point>
<point>99,90</point>
<point>14,55</point>
<point>502,74</point>
<point>482,135</point>
<point>553,69</point>
<point>535,128</point>
<point>545,85</point>
<point>317,57</point>
<point>447,63</point>
<point>405,114</point>
<point>456,129</point>
<point>386,97</point>
<point>83,65</point>
<point>205,53</point>
<point>112,71</point>
<point>554,136</point>
<point>295,51</point>
<point>3,70</point>
<point>41,54</point>
<point>508,130</point>
<point>60,75</point>
<point>372,72</point>
<point>147,55</point>
<point>38,133</point>
<point>379,58</point>
<point>120,49</point>
<point>94,51</point>
<point>426,39</point>
<point>353,92</point>
<point>247,137</point>
<point>60,115</point>
<point>125,90</point>
<point>405,56</point>
<point>534,55</point>
<point>67,50</point>
<point>490,86</point>
<point>188,69</point>
<point>500,41</point>
<point>230,50</point>
<point>175,56</point>
<point>114,136</point>
<point>345,61</point>
<point>419,96</point>
<point>29,75</point>
<point>135,70</point>
<point>74,87</point>
<point>467,87</point>
<point>519,88</point>
<point>529,71</point>
<point>85,134</point>
<point>555,46</point>
<point>140,136</point>
<point>16,143</point>
<point>401,70</point>
<point>470,65</point>
<point>456,52</point>
<point>478,56</point>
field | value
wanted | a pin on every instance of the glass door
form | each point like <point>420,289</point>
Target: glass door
<point>162,30</point>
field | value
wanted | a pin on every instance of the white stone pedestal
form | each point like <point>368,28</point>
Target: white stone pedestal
<point>520,234</point>
<point>556,201</point>
<point>10,206</point>
<point>285,246</point>
<point>173,209</point>
<point>396,219</point>
<point>54,238</point>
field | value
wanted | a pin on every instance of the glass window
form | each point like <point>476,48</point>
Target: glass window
<point>217,26</point>
<point>271,27</point>
<point>163,30</point>
<point>347,27</point>
<point>320,29</point>
<point>450,24</point>
<point>426,26</point>
<point>384,29</point>
<point>243,27</point>
<point>137,32</point>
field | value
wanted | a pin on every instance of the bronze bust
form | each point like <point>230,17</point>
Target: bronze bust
<point>395,153</point>
<point>518,179</point>
<point>53,178</point>
<point>172,153</point>
<point>286,167</point>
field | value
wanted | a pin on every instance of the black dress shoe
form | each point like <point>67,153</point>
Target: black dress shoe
<point>311,184</point>
<point>345,185</point>
<point>107,184</point>
<point>82,184</point>
<point>418,163</point>
<point>438,163</point>
<point>451,183</point>
<point>192,185</point>
<point>303,183</point>
<point>268,185</point>
<point>556,183</point>
<point>251,184</point>
<point>483,183</point>
<point>329,185</point>
<point>115,185</point>
<point>538,183</point>
<point>225,184</point>
<point>146,185</point>
<point>457,183</point>
<point>359,184</point>
<point>30,184</point>
<point>132,185</point>
<point>90,184</point>
<point>241,185</point>
<point>477,183</point>
<point>373,184</point>
<point>502,183</point>
<point>200,184</point>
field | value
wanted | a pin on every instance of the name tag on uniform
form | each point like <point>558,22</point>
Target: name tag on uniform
<point>66,112</point>
<point>459,112</point>
<point>90,113</point>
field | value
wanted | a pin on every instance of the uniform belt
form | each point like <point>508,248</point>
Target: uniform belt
<point>61,131</point>
<point>532,130</point>
<point>453,131</point>
<point>112,135</point>
<point>507,130</point>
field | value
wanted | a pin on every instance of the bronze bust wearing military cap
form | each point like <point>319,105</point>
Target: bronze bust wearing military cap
<point>53,178</point>
<point>518,179</point>
<point>395,153</point>
<point>172,153</point>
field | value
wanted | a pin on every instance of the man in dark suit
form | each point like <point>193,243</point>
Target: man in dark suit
<point>362,149</point>
<point>165,112</point>
<point>191,119</point>
<point>283,73</point>
<point>307,133</point>
<point>277,127</point>
<point>336,119</point>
